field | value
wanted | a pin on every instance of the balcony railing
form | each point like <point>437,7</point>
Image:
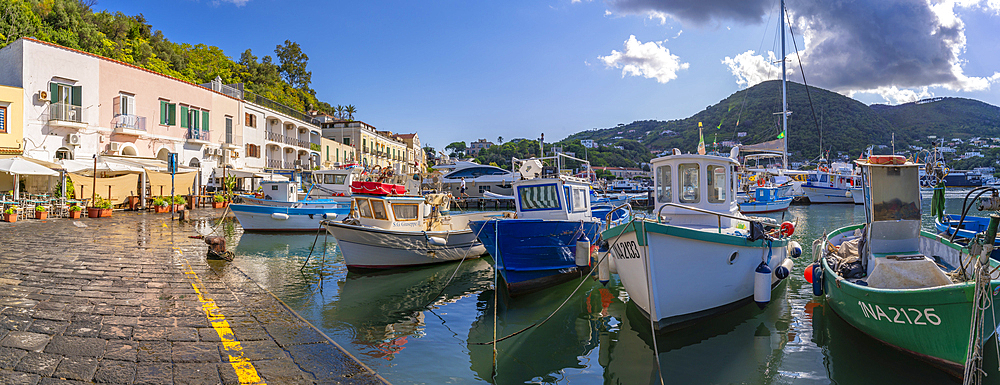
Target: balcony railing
<point>131,122</point>
<point>303,143</point>
<point>194,134</point>
<point>274,163</point>
<point>274,136</point>
<point>66,112</point>
<point>290,141</point>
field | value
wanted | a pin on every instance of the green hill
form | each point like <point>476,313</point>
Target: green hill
<point>944,117</point>
<point>847,125</point>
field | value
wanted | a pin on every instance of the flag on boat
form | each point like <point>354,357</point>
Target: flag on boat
<point>701,141</point>
<point>781,135</point>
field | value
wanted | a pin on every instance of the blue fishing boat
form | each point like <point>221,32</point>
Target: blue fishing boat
<point>968,229</point>
<point>293,217</point>
<point>766,200</point>
<point>537,247</point>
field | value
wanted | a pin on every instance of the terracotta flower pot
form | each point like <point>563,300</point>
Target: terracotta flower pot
<point>178,207</point>
<point>41,214</point>
<point>94,212</point>
<point>9,217</point>
<point>218,205</point>
<point>161,209</point>
<point>74,214</point>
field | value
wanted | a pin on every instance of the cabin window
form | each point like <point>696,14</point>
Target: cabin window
<point>690,180</point>
<point>580,199</point>
<point>822,178</point>
<point>663,184</point>
<point>378,210</point>
<point>717,184</point>
<point>539,197</point>
<point>334,178</point>
<point>569,199</point>
<point>405,211</point>
<point>364,208</point>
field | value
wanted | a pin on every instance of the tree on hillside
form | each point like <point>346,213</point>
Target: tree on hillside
<point>457,149</point>
<point>16,20</point>
<point>292,65</point>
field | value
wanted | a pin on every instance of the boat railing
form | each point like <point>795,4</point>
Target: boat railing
<point>719,216</point>
<point>623,218</point>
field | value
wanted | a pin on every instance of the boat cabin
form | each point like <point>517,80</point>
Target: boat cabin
<point>838,176</point>
<point>405,212</point>
<point>280,191</point>
<point>560,197</point>
<point>333,182</point>
<point>892,206</point>
<point>702,182</point>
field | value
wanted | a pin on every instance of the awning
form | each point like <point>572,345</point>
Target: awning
<point>218,172</point>
<point>19,166</point>
<point>86,166</point>
<point>777,145</point>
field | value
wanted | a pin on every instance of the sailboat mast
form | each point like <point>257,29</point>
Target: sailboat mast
<point>784,98</point>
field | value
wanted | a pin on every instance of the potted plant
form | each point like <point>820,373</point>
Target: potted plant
<point>74,211</point>
<point>101,208</point>
<point>41,212</point>
<point>161,205</point>
<point>10,214</point>
<point>179,203</point>
<point>219,201</point>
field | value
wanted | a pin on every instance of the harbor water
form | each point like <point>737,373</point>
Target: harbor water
<point>433,325</point>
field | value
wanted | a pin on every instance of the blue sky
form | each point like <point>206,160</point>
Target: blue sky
<point>462,70</point>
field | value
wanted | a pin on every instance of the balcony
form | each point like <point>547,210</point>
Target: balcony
<point>197,136</point>
<point>303,143</point>
<point>129,125</point>
<point>66,115</point>
<point>274,163</point>
<point>291,141</point>
<point>274,136</point>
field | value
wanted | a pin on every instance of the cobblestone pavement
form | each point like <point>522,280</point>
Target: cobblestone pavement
<point>131,300</point>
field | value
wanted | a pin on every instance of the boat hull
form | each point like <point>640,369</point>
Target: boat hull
<point>372,248</point>
<point>532,254</point>
<point>275,219</point>
<point>678,261</point>
<point>929,323</point>
<point>766,207</point>
<point>326,203</point>
<point>830,195</point>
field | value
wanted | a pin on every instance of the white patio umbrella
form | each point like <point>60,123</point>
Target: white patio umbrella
<point>17,166</point>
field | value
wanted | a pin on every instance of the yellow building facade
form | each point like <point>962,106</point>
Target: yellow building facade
<point>11,121</point>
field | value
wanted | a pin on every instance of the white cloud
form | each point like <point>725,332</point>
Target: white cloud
<point>650,60</point>
<point>895,95</point>
<point>751,69</point>
<point>238,3</point>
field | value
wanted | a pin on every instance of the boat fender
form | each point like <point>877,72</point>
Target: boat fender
<point>762,285</point>
<point>784,269</point>
<point>794,249</point>
<point>329,216</point>
<point>279,216</point>
<point>613,267</point>
<point>437,241</point>
<point>817,281</point>
<point>583,251</point>
<point>787,229</point>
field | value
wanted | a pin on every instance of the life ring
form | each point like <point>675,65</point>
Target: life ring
<point>787,229</point>
<point>760,182</point>
<point>823,169</point>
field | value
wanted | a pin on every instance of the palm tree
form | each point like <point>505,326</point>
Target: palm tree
<point>350,110</point>
<point>340,112</point>
<point>500,140</point>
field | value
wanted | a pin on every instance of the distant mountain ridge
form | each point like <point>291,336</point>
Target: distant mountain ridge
<point>843,124</point>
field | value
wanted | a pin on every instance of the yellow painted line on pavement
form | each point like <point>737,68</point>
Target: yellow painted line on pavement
<point>244,368</point>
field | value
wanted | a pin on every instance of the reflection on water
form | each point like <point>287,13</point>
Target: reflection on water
<point>416,326</point>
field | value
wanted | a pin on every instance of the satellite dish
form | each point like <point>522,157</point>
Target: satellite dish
<point>530,169</point>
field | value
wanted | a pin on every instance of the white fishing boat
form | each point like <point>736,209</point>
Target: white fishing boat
<point>837,183</point>
<point>385,231</point>
<point>765,200</point>
<point>700,256</point>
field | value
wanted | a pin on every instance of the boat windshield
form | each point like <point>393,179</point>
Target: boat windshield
<point>539,197</point>
<point>663,184</point>
<point>716,184</point>
<point>378,209</point>
<point>334,178</point>
<point>405,211</point>
<point>891,202</point>
<point>689,183</point>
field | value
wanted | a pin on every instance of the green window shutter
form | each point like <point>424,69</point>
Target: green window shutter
<point>163,112</point>
<point>54,92</point>
<point>327,153</point>
<point>171,114</point>
<point>204,120</point>
<point>76,96</point>
<point>184,117</point>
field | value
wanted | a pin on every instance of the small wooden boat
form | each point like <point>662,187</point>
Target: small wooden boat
<point>388,231</point>
<point>291,218</point>
<point>905,287</point>
<point>765,200</point>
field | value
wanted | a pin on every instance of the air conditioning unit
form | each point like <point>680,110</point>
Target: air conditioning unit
<point>72,139</point>
<point>43,95</point>
<point>114,147</point>
<point>217,152</point>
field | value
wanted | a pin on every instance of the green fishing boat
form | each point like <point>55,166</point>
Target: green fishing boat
<point>905,287</point>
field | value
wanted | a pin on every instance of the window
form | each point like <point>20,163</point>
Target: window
<point>251,120</point>
<point>334,178</point>
<point>538,197</point>
<point>204,120</point>
<point>63,153</point>
<point>717,184</point>
<point>252,151</point>
<point>689,183</point>
<point>405,211</point>
<point>580,199</point>
<point>3,119</point>
<point>663,184</point>
<point>168,113</point>
<point>66,101</point>
<point>364,208</point>
<point>229,128</point>
<point>822,178</point>
<point>347,141</point>
<point>378,209</point>
<point>126,104</point>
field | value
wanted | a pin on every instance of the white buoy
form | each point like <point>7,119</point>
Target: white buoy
<point>613,267</point>
<point>279,216</point>
<point>762,285</point>
<point>437,241</point>
<point>604,269</point>
<point>583,251</point>
<point>794,249</point>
